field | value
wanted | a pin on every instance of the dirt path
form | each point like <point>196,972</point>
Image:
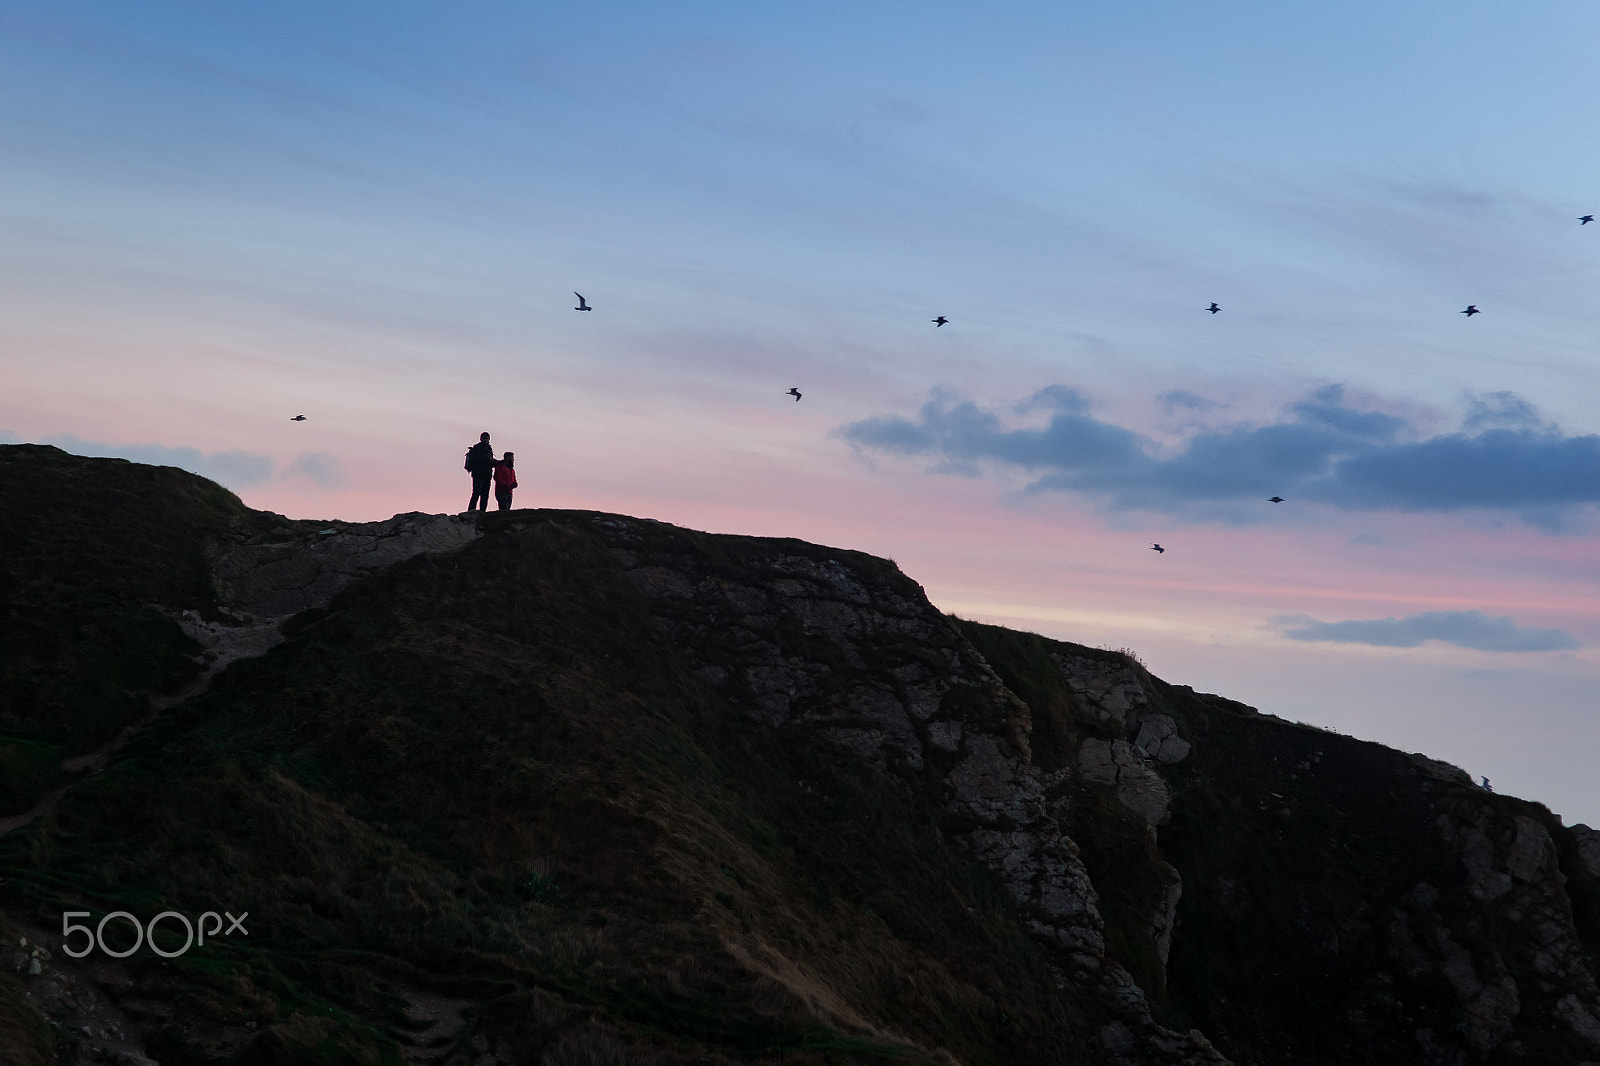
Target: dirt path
<point>439,1041</point>
<point>227,647</point>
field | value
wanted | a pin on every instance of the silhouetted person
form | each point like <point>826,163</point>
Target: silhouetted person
<point>480,464</point>
<point>505,479</point>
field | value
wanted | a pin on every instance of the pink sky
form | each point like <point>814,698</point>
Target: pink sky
<point>212,219</point>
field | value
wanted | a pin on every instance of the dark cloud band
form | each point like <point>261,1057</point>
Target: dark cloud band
<point>1322,449</point>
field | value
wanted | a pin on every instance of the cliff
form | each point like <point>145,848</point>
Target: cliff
<point>567,787</point>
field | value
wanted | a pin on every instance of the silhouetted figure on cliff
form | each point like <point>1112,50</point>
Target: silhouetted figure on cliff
<point>505,479</point>
<point>480,464</point>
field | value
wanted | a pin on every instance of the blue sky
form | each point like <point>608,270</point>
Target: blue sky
<point>215,216</point>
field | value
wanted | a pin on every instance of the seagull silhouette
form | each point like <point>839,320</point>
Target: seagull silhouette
<point>1158,548</point>
<point>1274,499</point>
<point>795,393</point>
<point>941,320</point>
<point>298,418</point>
<point>1472,309</point>
<point>1213,308</point>
<point>1584,220</point>
<point>583,305</point>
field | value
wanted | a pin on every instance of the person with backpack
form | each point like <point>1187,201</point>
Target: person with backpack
<point>505,479</point>
<point>480,464</point>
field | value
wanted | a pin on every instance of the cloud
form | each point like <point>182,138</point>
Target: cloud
<point>1499,409</point>
<point>235,469</point>
<point>1323,448</point>
<point>1182,399</point>
<point>1465,629</point>
<point>319,467</point>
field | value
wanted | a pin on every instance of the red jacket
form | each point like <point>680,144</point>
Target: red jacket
<point>504,476</point>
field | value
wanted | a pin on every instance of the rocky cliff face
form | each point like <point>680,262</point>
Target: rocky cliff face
<point>809,800</point>
<point>858,655</point>
<point>1488,937</point>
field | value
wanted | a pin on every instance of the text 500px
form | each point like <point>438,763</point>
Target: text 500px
<point>97,935</point>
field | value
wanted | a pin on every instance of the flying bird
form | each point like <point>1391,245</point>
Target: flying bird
<point>1472,309</point>
<point>1213,308</point>
<point>298,418</point>
<point>583,305</point>
<point>1584,220</point>
<point>1158,548</point>
<point>941,320</point>
<point>795,393</point>
<point>1274,499</point>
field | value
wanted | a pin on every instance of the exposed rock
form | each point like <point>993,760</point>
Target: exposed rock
<point>1109,691</point>
<point>1588,841</point>
<point>275,580</point>
<point>1165,920</point>
<point>1532,853</point>
<point>262,584</point>
<point>1158,738</point>
<point>1138,787</point>
<point>1584,1019</point>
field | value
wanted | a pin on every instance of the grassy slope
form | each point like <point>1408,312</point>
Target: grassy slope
<point>87,546</point>
<point>486,775</point>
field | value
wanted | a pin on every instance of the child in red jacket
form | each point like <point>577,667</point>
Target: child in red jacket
<point>505,479</point>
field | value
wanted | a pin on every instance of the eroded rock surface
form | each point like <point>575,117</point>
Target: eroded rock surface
<point>261,584</point>
<point>851,648</point>
<point>1511,868</point>
<point>278,579</point>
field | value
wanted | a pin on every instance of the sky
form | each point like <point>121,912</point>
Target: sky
<point>376,214</point>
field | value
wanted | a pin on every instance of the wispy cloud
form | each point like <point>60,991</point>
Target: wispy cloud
<point>1184,400</point>
<point>235,469</point>
<point>1465,629</point>
<point>318,467</point>
<point>1323,448</point>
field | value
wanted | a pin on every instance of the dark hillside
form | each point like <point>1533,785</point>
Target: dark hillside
<point>571,788</point>
<point>95,557</point>
<point>487,776</point>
